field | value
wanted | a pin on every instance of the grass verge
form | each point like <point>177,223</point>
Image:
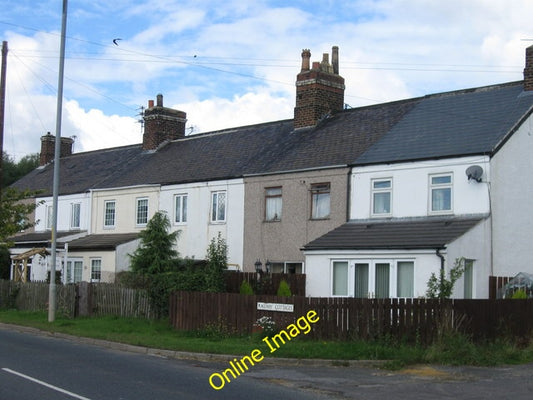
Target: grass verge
<point>452,350</point>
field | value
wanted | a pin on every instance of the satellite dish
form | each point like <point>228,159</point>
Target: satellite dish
<point>474,172</point>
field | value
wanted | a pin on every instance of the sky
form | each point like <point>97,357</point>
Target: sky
<point>232,63</point>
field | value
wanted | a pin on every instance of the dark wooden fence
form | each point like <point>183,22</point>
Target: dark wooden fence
<point>267,284</point>
<point>496,283</point>
<point>415,320</point>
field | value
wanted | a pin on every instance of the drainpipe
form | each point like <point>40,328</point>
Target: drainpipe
<point>437,253</point>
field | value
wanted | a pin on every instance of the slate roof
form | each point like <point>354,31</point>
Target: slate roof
<point>80,171</point>
<point>465,122</point>
<point>102,242</point>
<point>231,153</point>
<point>40,237</point>
<point>397,234</point>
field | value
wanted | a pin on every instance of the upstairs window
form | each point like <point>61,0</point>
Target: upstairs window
<point>75,215</point>
<point>381,197</point>
<point>218,206</point>
<point>441,193</point>
<point>180,215</point>
<point>141,217</point>
<point>49,217</point>
<point>109,214</point>
<point>273,204</point>
<point>320,201</point>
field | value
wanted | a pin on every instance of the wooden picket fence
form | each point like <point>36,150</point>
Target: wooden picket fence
<point>33,296</point>
<point>414,320</point>
<point>97,299</point>
<point>111,299</point>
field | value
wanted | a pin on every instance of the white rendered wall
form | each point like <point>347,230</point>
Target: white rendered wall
<point>512,194</point>
<point>64,205</point>
<point>411,187</point>
<point>198,231</point>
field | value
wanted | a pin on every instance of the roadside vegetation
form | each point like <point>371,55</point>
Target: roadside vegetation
<point>452,349</point>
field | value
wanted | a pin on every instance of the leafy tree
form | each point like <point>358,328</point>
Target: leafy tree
<point>442,287</point>
<point>5,262</point>
<point>156,252</point>
<point>15,209</point>
<point>13,171</point>
<point>217,262</point>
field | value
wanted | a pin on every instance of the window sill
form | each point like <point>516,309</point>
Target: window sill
<point>320,219</point>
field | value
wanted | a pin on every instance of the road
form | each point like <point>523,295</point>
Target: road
<point>46,368</point>
<point>38,366</point>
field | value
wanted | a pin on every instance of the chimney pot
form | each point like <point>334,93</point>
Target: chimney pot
<point>306,56</point>
<point>335,59</point>
<point>528,70</point>
<point>160,100</point>
<point>150,104</point>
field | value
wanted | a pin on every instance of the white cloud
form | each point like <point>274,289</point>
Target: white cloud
<point>389,50</point>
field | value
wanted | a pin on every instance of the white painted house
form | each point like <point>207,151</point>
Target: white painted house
<point>203,210</point>
<point>448,182</point>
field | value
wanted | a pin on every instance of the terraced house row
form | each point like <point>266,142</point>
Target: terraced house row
<point>367,202</point>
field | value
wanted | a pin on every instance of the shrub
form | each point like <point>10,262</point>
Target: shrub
<point>519,294</point>
<point>246,288</point>
<point>284,289</point>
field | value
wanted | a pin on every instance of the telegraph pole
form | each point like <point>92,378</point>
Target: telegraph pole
<point>52,291</point>
<point>2,108</point>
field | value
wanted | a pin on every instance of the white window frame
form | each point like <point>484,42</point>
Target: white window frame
<point>75,215</point>
<point>94,270</point>
<point>440,186</point>
<point>380,190</point>
<point>317,191</point>
<point>180,217</point>
<point>214,211</point>
<point>138,216</point>
<point>106,225</point>
<point>371,283</point>
<point>273,196</point>
<point>348,279</point>
<point>49,217</point>
<point>397,274</point>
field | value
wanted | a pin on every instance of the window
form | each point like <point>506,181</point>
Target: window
<point>340,278</point>
<point>273,203</point>
<point>180,201</point>
<point>381,196</point>
<point>109,214</point>
<point>441,193</point>
<point>469,279</point>
<point>361,280</point>
<point>218,206</point>
<point>74,271</point>
<point>49,217</point>
<point>405,279</point>
<point>382,280</point>
<point>142,212</point>
<point>75,215</point>
<point>320,201</point>
<point>96,270</point>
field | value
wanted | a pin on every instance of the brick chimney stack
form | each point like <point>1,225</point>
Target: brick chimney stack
<point>162,124</point>
<point>319,90</point>
<point>48,143</point>
<point>528,70</point>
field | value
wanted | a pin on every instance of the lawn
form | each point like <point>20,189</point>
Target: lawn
<point>452,350</point>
